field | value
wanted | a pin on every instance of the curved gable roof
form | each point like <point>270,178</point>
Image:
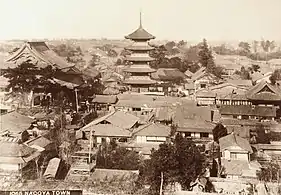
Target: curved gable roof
<point>40,51</point>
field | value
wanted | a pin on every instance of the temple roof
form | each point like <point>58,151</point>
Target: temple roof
<point>140,34</point>
<point>41,52</point>
<point>264,91</point>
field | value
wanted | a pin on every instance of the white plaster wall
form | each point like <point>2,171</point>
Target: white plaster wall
<point>9,167</point>
<point>241,156</point>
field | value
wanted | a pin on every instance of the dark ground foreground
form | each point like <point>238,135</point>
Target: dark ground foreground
<point>88,187</point>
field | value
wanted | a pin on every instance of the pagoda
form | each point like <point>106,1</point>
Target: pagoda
<point>139,69</point>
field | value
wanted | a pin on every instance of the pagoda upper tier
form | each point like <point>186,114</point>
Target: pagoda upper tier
<point>140,34</point>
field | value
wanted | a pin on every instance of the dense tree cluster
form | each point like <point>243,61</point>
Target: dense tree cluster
<point>258,50</point>
<point>111,156</point>
<point>179,161</point>
<point>109,50</point>
<point>206,60</point>
<point>72,54</point>
<point>27,76</point>
<point>162,61</point>
<point>269,172</point>
<point>276,76</point>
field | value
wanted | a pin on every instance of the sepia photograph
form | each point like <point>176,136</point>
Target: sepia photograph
<point>140,97</point>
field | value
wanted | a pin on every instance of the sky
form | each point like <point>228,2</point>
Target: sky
<point>193,20</point>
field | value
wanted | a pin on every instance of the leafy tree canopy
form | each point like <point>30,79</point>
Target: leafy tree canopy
<point>180,161</point>
<point>219,131</point>
<point>27,77</point>
<point>206,59</point>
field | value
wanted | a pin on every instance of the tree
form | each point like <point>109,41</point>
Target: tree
<point>262,136</point>
<point>267,46</point>
<point>181,43</point>
<point>255,67</point>
<point>218,132</point>
<point>206,59</point>
<point>180,161</point>
<point>205,55</point>
<point>270,172</point>
<point>110,156</point>
<point>276,75</point>
<point>243,73</point>
<point>214,169</point>
<point>245,46</point>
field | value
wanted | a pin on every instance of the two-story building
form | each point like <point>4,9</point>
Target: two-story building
<point>236,158</point>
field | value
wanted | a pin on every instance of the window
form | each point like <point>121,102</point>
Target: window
<point>136,109</point>
<point>245,117</point>
<point>205,135</point>
<point>233,156</point>
<point>203,85</point>
<point>188,134</point>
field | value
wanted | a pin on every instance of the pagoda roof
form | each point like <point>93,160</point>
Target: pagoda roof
<point>135,68</point>
<point>140,34</point>
<point>139,59</point>
<point>140,48</point>
<point>139,80</point>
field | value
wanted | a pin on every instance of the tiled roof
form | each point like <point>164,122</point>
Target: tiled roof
<point>153,129</point>
<point>139,68</point>
<point>240,82</point>
<point>122,119</point>
<point>14,122</point>
<point>242,131</point>
<point>139,59</point>
<point>43,53</point>
<point>109,130</point>
<point>264,91</point>
<point>233,140</point>
<point>12,149</point>
<point>105,99</point>
<point>198,74</point>
<point>140,34</point>
<point>205,93</point>
<point>116,118</point>
<point>168,74</point>
<point>232,96</point>
<point>244,122</point>
<point>39,141</point>
<point>189,117</point>
<point>235,167</point>
<point>248,110</point>
<point>165,113</point>
<point>140,48</point>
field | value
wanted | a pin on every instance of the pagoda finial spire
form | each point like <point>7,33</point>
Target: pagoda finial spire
<point>140,19</point>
